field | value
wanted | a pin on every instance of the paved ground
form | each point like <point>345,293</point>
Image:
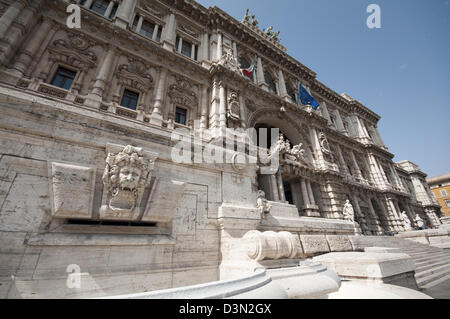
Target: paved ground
<point>440,291</point>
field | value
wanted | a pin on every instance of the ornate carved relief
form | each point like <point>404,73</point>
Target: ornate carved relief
<point>135,74</point>
<point>189,30</point>
<point>126,175</point>
<point>74,51</point>
<point>182,93</point>
<point>296,154</point>
<point>229,60</point>
<point>152,9</point>
<point>233,110</point>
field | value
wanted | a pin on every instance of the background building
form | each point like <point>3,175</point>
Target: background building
<point>86,153</point>
<point>440,187</point>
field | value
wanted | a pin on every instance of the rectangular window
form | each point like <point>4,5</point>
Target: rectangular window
<point>447,202</point>
<point>129,99</point>
<point>63,78</point>
<point>186,48</point>
<point>100,6</point>
<point>147,29</point>
<point>180,116</point>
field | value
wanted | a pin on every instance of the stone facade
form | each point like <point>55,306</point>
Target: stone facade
<point>88,180</point>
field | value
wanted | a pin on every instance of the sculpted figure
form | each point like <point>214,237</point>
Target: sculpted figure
<point>268,31</point>
<point>349,213</point>
<point>419,222</point>
<point>297,151</point>
<point>406,221</point>
<point>246,16</point>
<point>279,146</point>
<point>262,204</point>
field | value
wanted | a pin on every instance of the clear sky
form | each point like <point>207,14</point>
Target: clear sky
<point>401,71</point>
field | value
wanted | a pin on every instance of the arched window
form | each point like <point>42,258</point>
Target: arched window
<point>270,82</point>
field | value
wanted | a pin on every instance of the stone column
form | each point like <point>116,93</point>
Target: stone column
<point>259,72</point>
<point>304,192</point>
<point>124,13</point>
<point>282,86</point>
<point>139,24</point>
<point>280,187</point>
<point>340,124</point>
<point>274,188</point>
<point>109,9</point>
<point>156,117</point>
<point>96,96</point>
<point>396,177</point>
<point>341,160</point>
<point>222,106</point>
<point>325,113</point>
<point>242,110</point>
<point>10,15</point>
<point>395,216</point>
<point>204,50</point>
<point>295,194</point>
<point>310,192</point>
<point>17,30</point>
<point>235,53</point>
<point>204,107</point>
<point>155,33</point>
<point>316,144</point>
<point>219,46</point>
<point>376,173</point>
<point>355,163</point>
<point>379,137</point>
<point>169,33</point>
<point>376,218</point>
<point>27,54</point>
<point>215,102</point>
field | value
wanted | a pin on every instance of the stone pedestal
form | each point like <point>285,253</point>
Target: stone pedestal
<point>310,210</point>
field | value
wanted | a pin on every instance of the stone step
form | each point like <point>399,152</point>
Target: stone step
<point>425,257</point>
<point>436,282</point>
<point>429,265</point>
<point>432,278</point>
<point>423,274</point>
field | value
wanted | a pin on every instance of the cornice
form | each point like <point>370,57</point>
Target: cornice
<point>218,19</point>
<point>108,27</point>
<point>349,106</point>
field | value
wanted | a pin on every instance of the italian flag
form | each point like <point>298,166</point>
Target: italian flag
<point>248,72</point>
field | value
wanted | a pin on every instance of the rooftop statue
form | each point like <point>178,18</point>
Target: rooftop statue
<point>246,16</point>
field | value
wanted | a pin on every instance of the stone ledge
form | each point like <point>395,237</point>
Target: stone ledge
<point>72,239</point>
<point>308,225</point>
<point>367,265</point>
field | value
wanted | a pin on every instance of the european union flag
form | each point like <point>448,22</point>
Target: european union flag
<point>306,98</point>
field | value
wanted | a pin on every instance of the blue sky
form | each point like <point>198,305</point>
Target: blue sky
<point>401,71</point>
